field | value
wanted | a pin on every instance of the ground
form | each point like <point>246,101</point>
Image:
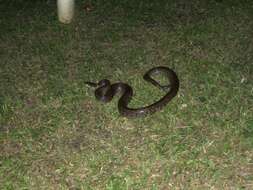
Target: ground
<point>54,134</point>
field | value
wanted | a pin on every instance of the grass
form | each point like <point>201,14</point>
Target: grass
<point>55,135</point>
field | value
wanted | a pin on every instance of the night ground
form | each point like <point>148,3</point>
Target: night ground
<point>54,134</point>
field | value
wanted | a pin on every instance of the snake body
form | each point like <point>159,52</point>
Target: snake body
<point>105,91</point>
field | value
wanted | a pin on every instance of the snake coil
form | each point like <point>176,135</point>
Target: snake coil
<point>105,91</point>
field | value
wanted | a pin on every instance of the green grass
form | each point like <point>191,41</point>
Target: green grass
<point>55,135</point>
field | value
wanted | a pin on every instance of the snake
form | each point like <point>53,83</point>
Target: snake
<point>105,92</point>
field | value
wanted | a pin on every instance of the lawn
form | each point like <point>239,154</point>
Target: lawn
<point>54,134</point>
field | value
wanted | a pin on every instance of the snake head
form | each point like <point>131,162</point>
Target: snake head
<point>103,82</point>
<point>92,84</point>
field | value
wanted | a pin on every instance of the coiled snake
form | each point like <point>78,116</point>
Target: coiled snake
<point>105,91</point>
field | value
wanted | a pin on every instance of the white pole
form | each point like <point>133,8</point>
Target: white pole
<point>65,10</point>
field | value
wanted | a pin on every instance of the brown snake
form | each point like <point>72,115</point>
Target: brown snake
<point>105,91</point>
